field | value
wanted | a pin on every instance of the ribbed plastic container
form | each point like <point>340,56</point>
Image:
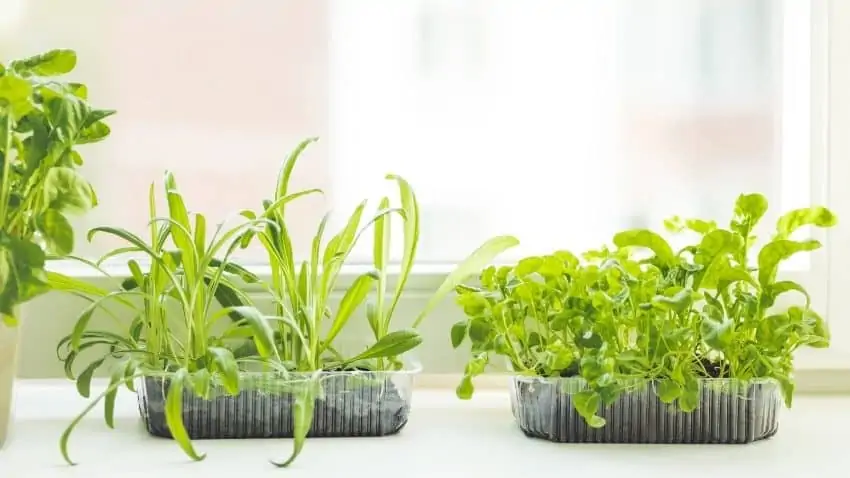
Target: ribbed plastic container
<point>354,404</point>
<point>729,412</point>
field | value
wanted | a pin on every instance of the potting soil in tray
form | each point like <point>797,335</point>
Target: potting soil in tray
<point>728,412</point>
<point>351,407</point>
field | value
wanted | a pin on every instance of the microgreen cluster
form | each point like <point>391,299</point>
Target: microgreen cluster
<point>615,317</point>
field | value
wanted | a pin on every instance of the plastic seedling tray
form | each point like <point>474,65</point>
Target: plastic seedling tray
<point>729,412</point>
<point>354,404</point>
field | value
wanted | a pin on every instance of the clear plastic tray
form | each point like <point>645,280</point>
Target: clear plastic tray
<point>353,404</point>
<point>729,411</point>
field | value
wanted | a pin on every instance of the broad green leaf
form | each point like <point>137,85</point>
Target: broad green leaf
<point>678,302</point>
<point>51,63</point>
<point>648,239</point>
<point>16,94</point>
<point>458,333</point>
<point>466,269</point>
<point>717,334</point>
<point>778,288</point>
<point>668,391</point>
<point>65,190</point>
<point>749,209</point>
<point>479,330</point>
<point>465,390</point>
<point>528,266</point>
<point>354,296</point>
<point>586,404</point>
<point>772,254</point>
<point>689,401</point>
<point>816,216</point>
<point>174,413</point>
<point>56,231</point>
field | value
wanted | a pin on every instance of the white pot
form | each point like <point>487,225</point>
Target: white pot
<point>8,367</point>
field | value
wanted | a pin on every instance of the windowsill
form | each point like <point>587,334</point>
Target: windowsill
<point>445,435</point>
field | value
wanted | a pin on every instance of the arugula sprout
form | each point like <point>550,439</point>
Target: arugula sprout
<point>615,319</point>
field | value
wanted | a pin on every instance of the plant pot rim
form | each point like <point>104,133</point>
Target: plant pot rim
<point>579,380</point>
<point>411,368</point>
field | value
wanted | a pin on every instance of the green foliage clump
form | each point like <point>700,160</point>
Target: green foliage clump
<point>614,317</point>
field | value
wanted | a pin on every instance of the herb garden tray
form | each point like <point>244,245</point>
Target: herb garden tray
<point>353,404</point>
<point>728,412</point>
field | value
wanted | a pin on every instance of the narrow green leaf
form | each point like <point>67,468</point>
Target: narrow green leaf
<point>289,165</point>
<point>411,239</point>
<point>174,414</point>
<point>354,296</point>
<point>476,261</point>
<point>66,435</point>
<point>391,345</point>
<point>302,416</point>
<point>263,332</point>
<point>84,379</point>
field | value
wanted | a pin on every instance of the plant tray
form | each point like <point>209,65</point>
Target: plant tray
<point>354,404</point>
<point>729,412</point>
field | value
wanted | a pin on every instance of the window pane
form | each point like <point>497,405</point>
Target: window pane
<point>559,122</point>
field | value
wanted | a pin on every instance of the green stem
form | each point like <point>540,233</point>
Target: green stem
<point>5,189</point>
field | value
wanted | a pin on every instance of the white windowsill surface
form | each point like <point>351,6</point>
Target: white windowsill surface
<point>445,437</point>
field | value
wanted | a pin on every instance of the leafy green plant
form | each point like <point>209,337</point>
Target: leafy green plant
<point>301,292</point>
<point>618,319</point>
<point>176,332</point>
<point>42,121</point>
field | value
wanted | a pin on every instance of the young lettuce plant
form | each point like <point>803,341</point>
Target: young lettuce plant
<point>557,316</point>
<point>173,334</point>
<point>745,333</point>
<point>672,319</point>
<point>42,121</point>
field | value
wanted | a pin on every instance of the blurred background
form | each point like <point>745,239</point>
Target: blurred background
<point>559,121</point>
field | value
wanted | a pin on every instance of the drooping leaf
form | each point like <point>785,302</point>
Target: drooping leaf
<point>302,416</point>
<point>174,414</point>
<point>772,254</point>
<point>647,239</point>
<point>56,231</point>
<point>816,216</point>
